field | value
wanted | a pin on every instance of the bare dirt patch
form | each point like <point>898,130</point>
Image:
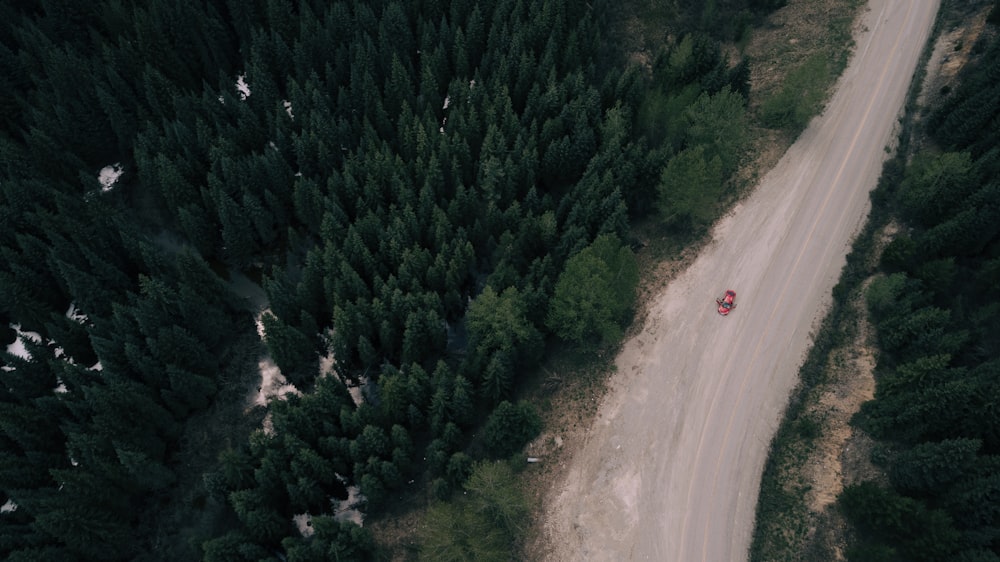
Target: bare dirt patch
<point>853,383</point>
<point>794,33</point>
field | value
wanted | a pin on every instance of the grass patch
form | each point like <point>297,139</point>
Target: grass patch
<point>801,97</point>
<point>817,54</point>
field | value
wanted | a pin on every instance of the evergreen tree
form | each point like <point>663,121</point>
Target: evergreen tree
<point>292,351</point>
<point>595,292</point>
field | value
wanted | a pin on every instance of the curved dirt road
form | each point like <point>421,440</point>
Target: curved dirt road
<point>671,468</point>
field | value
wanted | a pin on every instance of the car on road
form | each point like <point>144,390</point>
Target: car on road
<point>727,302</point>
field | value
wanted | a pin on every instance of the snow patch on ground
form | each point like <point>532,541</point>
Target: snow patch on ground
<point>109,175</point>
<point>272,382</point>
<point>303,522</point>
<point>8,507</point>
<point>326,365</point>
<point>258,321</point>
<point>75,315</point>
<point>346,510</point>
<point>242,87</point>
<point>17,348</point>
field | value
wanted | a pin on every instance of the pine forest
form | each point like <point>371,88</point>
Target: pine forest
<point>400,206</point>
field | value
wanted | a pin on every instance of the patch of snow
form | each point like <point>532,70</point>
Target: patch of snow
<point>441,129</point>
<point>96,367</point>
<point>242,87</point>
<point>109,175</point>
<point>33,336</point>
<point>447,101</point>
<point>326,364</point>
<point>60,353</point>
<point>8,507</point>
<point>303,522</point>
<point>288,107</point>
<point>17,348</point>
<point>472,83</point>
<point>346,510</point>
<point>75,315</point>
<point>258,321</point>
<point>61,387</point>
<point>272,383</point>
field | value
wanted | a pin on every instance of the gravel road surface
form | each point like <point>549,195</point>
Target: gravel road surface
<point>670,469</point>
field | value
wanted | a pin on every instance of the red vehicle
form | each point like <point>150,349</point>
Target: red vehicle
<point>727,302</point>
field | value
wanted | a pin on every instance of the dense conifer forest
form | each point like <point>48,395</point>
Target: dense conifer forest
<point>936,310</point>
<point>423,190</point>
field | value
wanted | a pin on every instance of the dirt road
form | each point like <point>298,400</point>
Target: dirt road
<point>671,468</point>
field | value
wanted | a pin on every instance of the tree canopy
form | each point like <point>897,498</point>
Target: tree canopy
<point>410,192</point>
